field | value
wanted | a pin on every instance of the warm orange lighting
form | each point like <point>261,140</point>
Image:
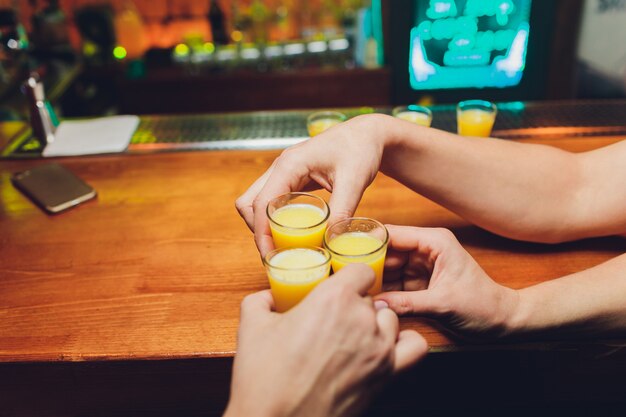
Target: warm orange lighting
<point>236,36</point>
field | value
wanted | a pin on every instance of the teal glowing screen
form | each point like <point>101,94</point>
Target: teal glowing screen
<point>469,44</point>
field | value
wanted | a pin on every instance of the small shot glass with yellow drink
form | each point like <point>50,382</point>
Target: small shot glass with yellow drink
<point>475,118</point>
<point>298,220</point>
<point>358,240</point>
<point>418,115</point>
<point>321,121</point>
<point>294,272</point>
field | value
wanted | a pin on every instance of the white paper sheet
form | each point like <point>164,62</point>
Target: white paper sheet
<point>87,137</point>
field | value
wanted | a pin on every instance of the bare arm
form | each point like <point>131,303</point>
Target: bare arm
<point>523,191</point>
<point>429,273</point>
<point>590,302</point>
<point>323,358</point>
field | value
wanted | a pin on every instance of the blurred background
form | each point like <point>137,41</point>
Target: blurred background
<point>100,57</point>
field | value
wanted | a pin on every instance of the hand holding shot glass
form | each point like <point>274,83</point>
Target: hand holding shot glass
<point>298,224</point>
<point>321,121</point>
<point>475,118</point>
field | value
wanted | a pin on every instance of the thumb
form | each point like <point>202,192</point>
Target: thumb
<point>410,302</point>
<point>410,348</point>
<point>256,305</point>
<point>357,278</point>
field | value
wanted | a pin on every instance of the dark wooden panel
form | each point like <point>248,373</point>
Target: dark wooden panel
<point>149,388</point>
<point>170,91</point>
<point>537,380</point>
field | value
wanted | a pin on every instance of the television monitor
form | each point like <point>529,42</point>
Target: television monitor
<point>457,49</point>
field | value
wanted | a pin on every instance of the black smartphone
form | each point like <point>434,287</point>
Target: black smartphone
<point>53,187</point>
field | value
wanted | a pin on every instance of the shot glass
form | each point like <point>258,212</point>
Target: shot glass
<point>475,118</point>
<point>294,272</point>
<point>358,240</point>
<point>298,220</point>
<point>321,121</point>
<point>419,115</point>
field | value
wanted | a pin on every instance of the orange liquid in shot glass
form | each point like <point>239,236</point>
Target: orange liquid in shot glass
<point>299,225</point>
<point>294,273</point>
<point>475,122</point>
<point>359,248</point>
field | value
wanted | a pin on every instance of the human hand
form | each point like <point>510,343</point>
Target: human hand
<point>343,160</point>
<point>324,357</point>
<point>433,276</point>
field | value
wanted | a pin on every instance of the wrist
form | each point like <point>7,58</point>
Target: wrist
<point>377,126</point>
<point>403,144</point>
<point>394,133</point>
<point>517,316</point>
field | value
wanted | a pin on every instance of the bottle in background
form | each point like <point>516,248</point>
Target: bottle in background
<point>217,19</point>
<point>259,14</point>
<point>307,20</point>
<point>50,27</point>
<point>129,30</point>
<point>284,27</point>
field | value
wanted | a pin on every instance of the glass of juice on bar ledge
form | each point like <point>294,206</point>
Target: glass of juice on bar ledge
<point>358,240</point>
<point>298,220</point>
<point>294,272</point>
<point>419,115</point>
<point>475,118</point>
<point>320,121</point>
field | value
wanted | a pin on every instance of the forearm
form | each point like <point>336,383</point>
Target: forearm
<point>522,191</point>
<point>591,302</point>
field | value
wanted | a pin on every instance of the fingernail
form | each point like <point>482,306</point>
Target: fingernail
<point>380,304</point>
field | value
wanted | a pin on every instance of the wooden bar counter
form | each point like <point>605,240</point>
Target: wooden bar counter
<point>128,305</point>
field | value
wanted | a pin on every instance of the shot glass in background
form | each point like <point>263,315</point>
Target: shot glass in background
<point>419,115</point>
<point>298,220</point>
<point>358,240</point>
<point>321,121</point>
<point>475,118</point>
<point>294,272</point>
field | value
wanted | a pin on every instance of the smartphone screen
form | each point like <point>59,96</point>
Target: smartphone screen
<point>53,187</point>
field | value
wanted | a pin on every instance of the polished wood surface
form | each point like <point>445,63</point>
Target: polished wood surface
<point>156,267</point>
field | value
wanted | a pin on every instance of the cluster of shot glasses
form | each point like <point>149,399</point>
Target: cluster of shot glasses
<point>307,247</point>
